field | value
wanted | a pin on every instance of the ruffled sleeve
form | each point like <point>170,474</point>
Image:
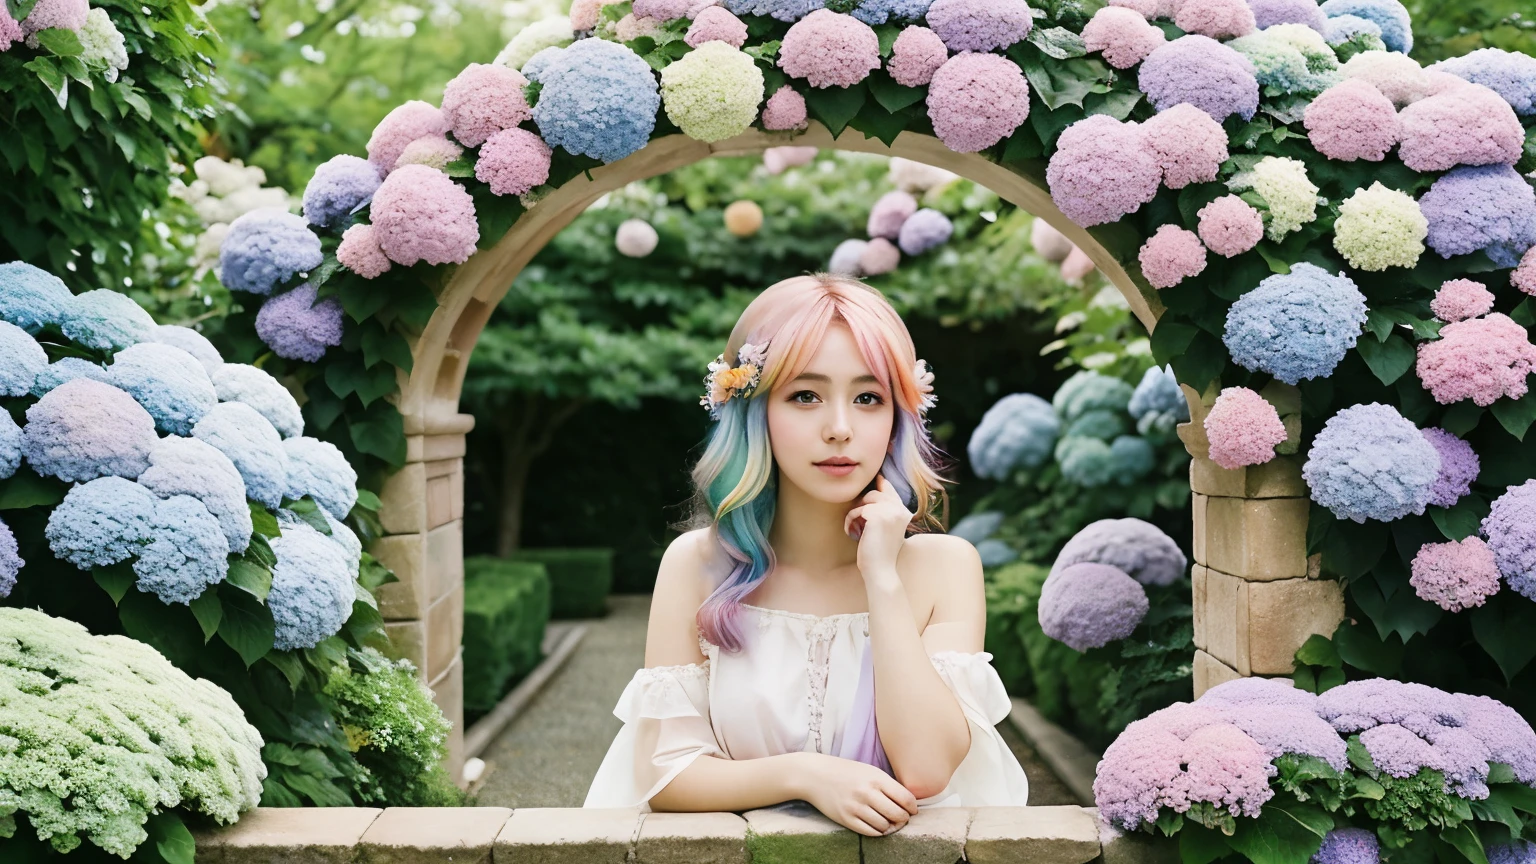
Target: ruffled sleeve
<point>990,775</point>
<point>666,726</point>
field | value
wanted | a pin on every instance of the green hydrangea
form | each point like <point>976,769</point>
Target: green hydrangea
<point>713,93</point>
<point>1289,196</point>
<point>1379,228</point>
<point>547,33</point>
<point>1290,58</point>
<point>98,732</point>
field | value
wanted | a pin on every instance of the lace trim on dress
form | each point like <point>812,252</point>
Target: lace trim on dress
<point>819,661</point>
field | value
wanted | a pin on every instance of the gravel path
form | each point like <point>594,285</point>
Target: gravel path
<point>548,756</point>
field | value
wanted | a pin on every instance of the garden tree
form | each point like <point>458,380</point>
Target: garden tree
<point>1444,29</point>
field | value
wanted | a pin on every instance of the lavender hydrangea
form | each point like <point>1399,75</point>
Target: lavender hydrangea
<point>1509,73</point>
<point>189,466</point>
<point>30,298</point>
<point>1018,431</point>
<point>186,552</point>
<point>10,445</point>
<point>1091,605</point>
<point>1135,547</point>
<point>874,12</point>
<point>1203,72</point>
<point>1507,734</point>
<point>21,359</point>
<point>265,247</point>
<point>782,10</point>
<point>1157,404</point>
<point>68,369</point>
<point>170,384</point>
<point>1261,693</point>
<point>101,523</point>
<point>926,230</point>
<point>1459,466</point>
<point>11,561</point>
<point>341,185</point>
<point>980,25</point>
<point>1518,852</point>
<point>85,429</point>
<point>106,320</point>
<point>599,99</point>
<point>1511,531</point>
<point>1102,170</point>
<point>1267,13</point>
<point>318,469</point>
<point>1370,462</point>
<point>239,382</point>
<point>311,594</point>
<point>1297,325</point>
<point>1363,704</point>
<point>1489,207</point>
<point>297,326</point>
<point>1349,846</point>
<point>192,342</point>
<point>250,442</point>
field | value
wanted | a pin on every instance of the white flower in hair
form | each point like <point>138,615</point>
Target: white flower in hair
<point>924,377</point>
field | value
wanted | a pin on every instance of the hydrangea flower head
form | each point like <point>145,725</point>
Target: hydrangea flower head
<point>250,442</point>
<point>1296,325</point>
<point>1469,125</point>
<point>1524,275</point>
<point>599,99</point>
<point>186,552</point>
<point>1398,76</point>
<point>977,100</point>
<point>433,151</point>
<point>420,214</point>
<point>829,49</point>
<point>241,382</point>
<point>84,429</point>
<point>1287,190</point>
<point>482,100</point>
<point>717,24</point>
<point>264,247</point>
<point>1455,576</point>
<point>713,92</point>
<point>1189,145</point>
<point>1510,527</point>
<point>10,32</point>
<point>1230,226</point>
<point>171,385</point>
<point>662,10</point>
<point>11,561</point>
<point>874,12</point>
<point>1518,852</point>
<point>68,369</point>
<point>1290,58</point>
<point>1509,73</point>
<point>21,360</point>
<point>878,257</point>
<point>553,32</point>
<point>1218,19</point>
<point>781,10</point>
<point>1488,207</point>
<point>1366,703</point>
<point>1260,693</point>
<point>317,469</point>
<point>103,522</point>
<point>1349,846</point>
<point>1268,13</point>
<point>980,25</point>
<point>514,161</point>
<point>340,186</point>
<point>1459,466</point>
<point>30,298</point>
<point>1102,170</point>
<point>1135,547</point>
<point>845,258</point>
<point>402,125</point>
<point>1379,228</point>
<point>785,109</point>
<point>1344,28</point>
<point>189,466</point>
<point>1352,120</point>
<point>1203,72</point>
<point>1090,605</point>
<point>1172,255</point>
<point>101,43</point>
<point>296,326</point>
<point>1090,391</point>
<point>1148,9</point>
<point>1390,15</point>
<point>1018,431</point>
<point>1370,462</point>
<point>359,252</point>
<point>535,65</point>
<point>928,229</point>
<point>106,320</point>
<point>1482,359</point>
<point>1460,299</point>
<point>10,445</point>
<point>1507,735</point>
<point>889,212</point>
<point>55,14</point>
<point>192,342</point>
<point>1122,35</point>
<point>1243,428</point>
<point>312,594</point>
<point>1157,404</point>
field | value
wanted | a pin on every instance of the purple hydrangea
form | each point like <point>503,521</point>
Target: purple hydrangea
<point>1518,852</point>
<point>10,445</point>
<point>30,298</point>
<point>68,369</point>
<point>1260,693</point>
<point>1459,466</point>
<point>295,326</point>
<point>976,100</point>
<point>1203,72</point>
<point>240,382</point>
<point>1090,605</point>
<point>1019,430</point>
<point>318,469</point>
<point>1489,207</point>
<point>21,360</point>
<point>980,25</point>
<point>1508,735</point>
<point>1511,531</point>
<point>891,210</point>
<point>1267,13</point>
<point>828,49</point>
<point>1390,15</point>
<point>85,429</point>
<point>189,466</point>
<point>264,247</point>
<point>171,385</point>
<point>1102,170</point>
<point>1364,704</point>
<point>599,99</point>
<point>186,552</point>
<point>1296,325</point>
<point>1370,462</point>
<point>101,523</point>
<point>1509,73</point>
<point>192,342</point>
<point>312,594</point>
<point>782,10</point>
<point>250,442</point>
<point>106,320</point>
<point>341,186</point>
<point>874,12</point>
<point>1349,846</point>
<point>11,561</point>
<point>1294,731</point>
<point>1135,547</point>
<point>926,230</point>
<point>1455,753</point>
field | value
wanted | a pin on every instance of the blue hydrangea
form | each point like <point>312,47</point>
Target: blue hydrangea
<point>340,186</point>
<point>192,342</point>
<point>317,469</point>
<point>1488,207</point>
<point>21,359</point>
<point>1086,462</point>
<point>1507,73</point>
<point>170,384</point>
<point>311,596</point>
<point>344,538</point>
<point>783,10</point>
<point>1390,15</point>
<point>1134,458</point>
<point>1296,325</point>
<point>995,553</point>
<point>189,466</point>
<point>1101,423</point>
<point>874,12</point>
<point>541,59</point>
<point>1518,852</point>
<point>976,527</point>
<point>265,247</point>
<point>1158,405</point>
<point>85,429</point>
<point>1342,28</point>
<point>185,554</point>
<point>1019,431</point>
<point>239,382</point>
<point>1087,391</point>
<point>1134,546</point>
<point>11,561</point>
<point>102,522</point>
<point>250,442</point>
<point>1371,462</point>
<point>10,445</point>
<point>68,369</point>
<point>1349,846</point>
<point>30,298</point>
<point>599,99</point>
<point>106,321</point>
<point>924,230</point>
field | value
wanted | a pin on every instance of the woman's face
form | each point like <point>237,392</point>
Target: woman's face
<point>834,410</point>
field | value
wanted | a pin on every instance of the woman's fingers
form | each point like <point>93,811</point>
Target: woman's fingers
<point>873,818</point>
<point>901,795</point>
<point>859,826</point>
<point>894,812</point>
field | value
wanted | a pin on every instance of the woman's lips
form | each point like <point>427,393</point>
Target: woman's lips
<point>838,470</point>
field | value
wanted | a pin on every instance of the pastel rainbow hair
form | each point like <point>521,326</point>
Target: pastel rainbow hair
<point>734,481</point>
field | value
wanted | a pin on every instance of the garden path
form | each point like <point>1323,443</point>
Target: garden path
<point>549,754</point>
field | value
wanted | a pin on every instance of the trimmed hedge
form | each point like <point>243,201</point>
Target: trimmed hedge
<point>579,579</point>
<point>506,605</point>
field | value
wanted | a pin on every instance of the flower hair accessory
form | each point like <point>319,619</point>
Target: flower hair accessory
<point>725,381</point>
<point>924,377</point>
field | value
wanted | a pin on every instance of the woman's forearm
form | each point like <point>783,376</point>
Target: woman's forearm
<point>923,730</point>
<point>713,783</point>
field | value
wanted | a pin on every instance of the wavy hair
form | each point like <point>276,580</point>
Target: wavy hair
<point>735,480</point>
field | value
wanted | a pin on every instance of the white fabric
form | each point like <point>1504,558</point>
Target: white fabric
<point>790,689</point>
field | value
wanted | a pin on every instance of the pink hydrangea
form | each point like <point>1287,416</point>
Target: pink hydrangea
<point>1122,35</point>
<point>1481,359</point>
<point>415,119</point>
<point>419,214</point>
<point>359,252</point>
<point>785,109</point>
<point>1455,576</point>
<point>917,54</point>
<point>662,10</point>
<point>717,24</point>
<point>55,15</point>
<point>1189,145</point>
<point>980,25</point>
<point>1147,9</point>
<point>780,159</point>
<point>1076,266</point>
<point>1352,120</point>
<point>888,214</point>
<point>1218,19</point>
<point>632,27</point>
<point>977,100</point>
<point>879,256</point>
<point>484,99</point>
<point>1460,299</point>
<point>10,30</point>
<point>1170,256</point>
<point>1469,125</point>
<point>584,14</point>
<point>1230,226</point>
<point>1524,276</point>
<point>513,161</point>
<point>828,49</point>
<point>1102,169</point>
<point>433,151</point>
<point>1243,428</point>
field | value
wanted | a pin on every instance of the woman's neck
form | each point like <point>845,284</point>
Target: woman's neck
<point>807,533</point>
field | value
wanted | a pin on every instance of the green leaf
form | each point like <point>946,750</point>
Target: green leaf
<point>835,107</point>
<point>383,437</point>
<point>250,577</point>
<point>60,42</point>
<point>1504,634</point>
<point>26,489</point>
<point>1388,360</point>
<point>1461,418</point>
<point>48,72</point>
<point>1200,845</point>
<point>20,9</point>
<point>460,167</point>
<point>1170,338</point>
<point>115,579</point>
<point>170,835</point>
<point>1368,789</point>
<point>364,621</point>
<point>1466,841</point>
<point>1057,42</point>
<point>305,508</point>
<point>892,96</point>
<point>1461,521</point>
<point>368,501</point>
<point>364,596</point>
<point>1286,832</point>
<point>247,626</point>
<point>263,522</point>
<point>1516,415</point>
<point>362,299</point>
<point>1360,647</point>
<point>1498,808</point>
<point>208,611</point>
<point>1519,796</point>
<point>887,34</point>
<point>1318,650</point>
<point>288,663</point>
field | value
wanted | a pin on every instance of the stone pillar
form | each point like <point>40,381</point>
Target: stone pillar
<point>423,518</point>
<point>1257,595</point>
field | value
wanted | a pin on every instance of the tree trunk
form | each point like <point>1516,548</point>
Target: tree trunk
<point>538,421</point>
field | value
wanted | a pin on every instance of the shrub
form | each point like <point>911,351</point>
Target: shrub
<point>506,605</point>
<point>579,579</point>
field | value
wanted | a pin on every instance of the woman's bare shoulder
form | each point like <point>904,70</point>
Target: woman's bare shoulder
<point>690,567</point>
<point>682,584</point>
<point>944,564</point>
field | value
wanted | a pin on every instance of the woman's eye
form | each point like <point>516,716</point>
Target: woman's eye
<point>796,397</point>
<point>876,396</point>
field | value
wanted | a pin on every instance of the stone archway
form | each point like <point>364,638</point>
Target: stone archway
<point>1254,602</point>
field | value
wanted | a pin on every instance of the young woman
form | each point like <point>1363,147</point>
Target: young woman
<point>801,645</point>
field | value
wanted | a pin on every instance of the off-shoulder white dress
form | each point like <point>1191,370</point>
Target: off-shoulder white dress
<point>796,686</point>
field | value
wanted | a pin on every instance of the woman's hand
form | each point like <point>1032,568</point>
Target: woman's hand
<point>859,797</point>
<point>880,523</point>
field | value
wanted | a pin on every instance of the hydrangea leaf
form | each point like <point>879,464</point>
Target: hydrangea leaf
<point>1057,42</point>
<point>115,579</point>
<point>262,520</point>
<point>1499,630</point>
<point>1388,360</point>
<point>1461,521</point>
<point>835,107</point>
<point>27,489</point>
<point>1497,808</point>
<point>1318,650</point>
<point>1364,650</point>
<point>1516,415</point>
<point>892,96</point>
<point>288,663</point>
<point>1286,832</point>
<point>1461,418</point>
<point>1201,845</point>
<point>171,838</point>
<point>1466,841</point>
<point>208,612</point>
<point>247,627</point>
